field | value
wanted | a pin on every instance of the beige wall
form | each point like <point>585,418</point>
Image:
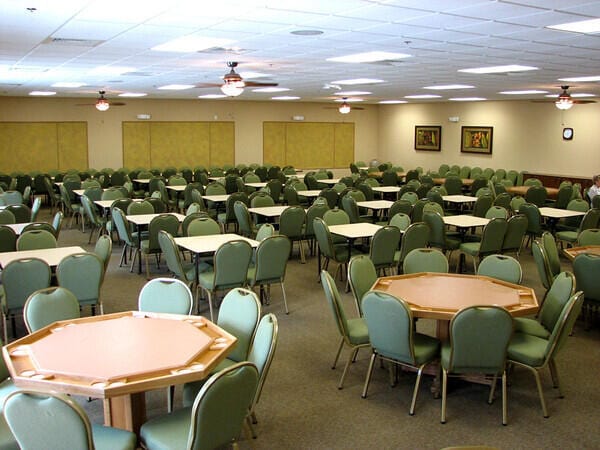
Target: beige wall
<point>105,130</point>
<point>527,136</point>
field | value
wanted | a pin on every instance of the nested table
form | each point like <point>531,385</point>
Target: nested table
<point>572,252</point>
<point>117,357</point>
<point>52,256</point>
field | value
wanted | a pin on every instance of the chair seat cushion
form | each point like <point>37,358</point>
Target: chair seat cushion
<point>451,243</point>
<point>426,348</point>
<point>207,279</point>
<point>357,331</point>
<point>470,248</point>
<point>531,327</point>
<point>107,438</point>
<point>568,236</point>
<point>167,431</point>
<point>527,349</point>
<point>190,390</point>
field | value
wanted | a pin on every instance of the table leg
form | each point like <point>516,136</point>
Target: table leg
<point>127,412</point>
<point>139,230</point>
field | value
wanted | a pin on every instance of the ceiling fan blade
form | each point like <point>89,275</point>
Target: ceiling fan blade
<point>577,102</point>
<point>352,108</point>
<point>259,84</point>
<point>583,102</point>
<point>116,103</point>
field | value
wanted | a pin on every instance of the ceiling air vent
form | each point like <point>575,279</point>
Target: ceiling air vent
<point>73,42</point>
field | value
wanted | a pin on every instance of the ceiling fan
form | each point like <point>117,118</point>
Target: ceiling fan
<point>564,100</point>
<point>345,107</point>
<point>102,104</point>
<point>233,84</point>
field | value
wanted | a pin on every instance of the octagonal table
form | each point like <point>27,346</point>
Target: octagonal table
<point>572,252</point>
<point>117,357</point>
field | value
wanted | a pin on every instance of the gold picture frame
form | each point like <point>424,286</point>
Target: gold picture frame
<point>476,140</point>
<point>428,138</point>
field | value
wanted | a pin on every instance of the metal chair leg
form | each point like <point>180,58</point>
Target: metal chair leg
<point>369,373</point>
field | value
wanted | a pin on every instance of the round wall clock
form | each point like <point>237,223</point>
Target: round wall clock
<point>567,134</point>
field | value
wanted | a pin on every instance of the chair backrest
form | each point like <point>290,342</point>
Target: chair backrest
<point>563,287</point>
<point>244,219</point>
<point>516,227</point>
<point>361,276</point>
<point>586,271</point>
<point>336,217</point>
<point>503,200</point>
<point>166,295</point>
<point>203,226</point>
<point>412,197</point>
<point>479,337</point>
<point>316,210</point>
<point>103,250</point>
<point>425,260</point>
<point>496,211</point>
<point>400,220</point>
<point>536,195</point>
<point>564,325</point>
<point>272,255</point>
<point>143,207</point>
<point>400,206</point>
<point>8,239</point>
<point>47,420</point>
<point>591,236</point>
<point>291,222</point>
<point>565,192</point>
<point>263,348</point>
<point>534,218</point>
<point>516,202</point>
<point>453,185</point>
<point>36,239</point>
<point>264,231</point>
<point>22,213</point>
<point>493,236</point>
<point>390,324</point>
<point>323,236</point>
<point>590,220</point>
<point>541,262</point>
<point>417,235</point>
<point>21,278</point>
<point>35,209</point>
<point>502,267</point>
<point>49,305</point>
<point>433,207</point>
<point>384,244</point>
<point>231,263</point>
<point>167,222</point>
<point>123,229</point>
<point>7,217</point>
<point>482,205</point>
<point>335,303</point>
<point>221,406</point>
<point>82,274</point>
<point>239,315</point>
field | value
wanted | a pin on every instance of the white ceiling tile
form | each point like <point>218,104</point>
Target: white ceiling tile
<point>82,29</point>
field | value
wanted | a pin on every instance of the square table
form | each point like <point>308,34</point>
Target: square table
<point>387,189</point>
<point>310,193</point>
<point>218,198</point>
<point>256,184</point>
<point>330,181</point>
<point>141,220</point>
<point>465,221</point>
<point>141,180</point>
<point>118,357</point>
<point>17,227</point>
<point>177,187</point>
<point>459,199</point>
<point>52,256</point>
<point>555,214</point>
<point>375,204</point>
<point>269,211</point>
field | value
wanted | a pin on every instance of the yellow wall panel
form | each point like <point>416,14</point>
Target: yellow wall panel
<point>274,143</point>
<point>310,145</point>
<point>136,144</point>
<point>72,145</point>
<point>222,143</point>
<point>28,146</point>
<point>344,144</point>
<point>179,143</point>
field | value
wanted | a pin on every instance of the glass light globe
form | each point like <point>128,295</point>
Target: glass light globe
<point>102,105</point>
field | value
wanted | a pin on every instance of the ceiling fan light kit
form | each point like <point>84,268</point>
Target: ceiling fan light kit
<point>564,101</point>
<point>102,104</point>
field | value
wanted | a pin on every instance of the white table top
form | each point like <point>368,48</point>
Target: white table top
<point>268,211</point>
<point>142,180</point>
<point>458,198</point>
<point>310,193</point>
<point>216,178</point>
<point>17,227</point>
<point>177,187</point>
<point>216,198</point>
<point>145,219</point>
<point>211,242</point>
<point>465,221</point>
<point>557,213</point>
<point>108,203</point>
<point>331,181</point>
<point>52,256</point>
<point>355,230</point>
<point>376,204</point>
<point>386,189</point>
<point>256,184</point>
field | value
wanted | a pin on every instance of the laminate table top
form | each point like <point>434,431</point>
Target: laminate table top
<point>52,256</point>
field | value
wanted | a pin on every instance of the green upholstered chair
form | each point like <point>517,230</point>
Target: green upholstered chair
<point>590,220</point>
<point>203,226</point>
<point>433,207</point>
<point>330,250</point>
<point>492,238</point>
<point>228,217</point>
<point>8,239</point>
<point>425,260</point>
<point>183,270</point>
<point>57,221</point>
<point>496,211</point>
<point>49,305</point>
<point>22,213</point>
<point>103,250</point>
<point>264,231</point>
<point>291,224</point>
<point>591,236</point>
<point>271,259</point>
<point>97,222</point>
<point>482,205</point>
<point>410,196</point>
<point>400,220</point>
<point>82,274</point>
<point>536,353</point>
<point>73,209</point>
<point>246,225</point>
<point>586,268</point>
<point>502,267</point>
<point>166,295</point>
<point>150,246</point>
<point>336,216</point>
<point>391,330</point>
<point>384,245</point>
<point>516,227</point>
<point>54,421</point>
<point>7,440</point>
<point>214,420</point>
<point>229,270</point>
<point>438,237</point>
<point>351,208</point>
<point>35,209</point>
<point>20,279</point>
<point>239,315</point>
<point>542,264</point>
<point>415,236</point>
<point>39,226</point>
<point>54,197</point>
<point>315,210</point>
<point>534,220</point>
<point>35,240</point>
<point>453,185</point>
<point>503,199</point>
<point>353,332</point>
<point>551,251</point>
<point>536,195</point>
<point>125,235</point>
<point>6,217</point>
<point>189,218</point>
<point>361,277</point>
<point>558,295</point>
<point>479,336</point>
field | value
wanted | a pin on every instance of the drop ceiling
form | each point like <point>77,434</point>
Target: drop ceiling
<point>107,45</point>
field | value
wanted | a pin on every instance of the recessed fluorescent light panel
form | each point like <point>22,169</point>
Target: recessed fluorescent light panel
<point>467,99</point>
<point>582,26</point>
<point>582,95</point>
<point>447,87</point>
<point>499,69</point>
<point>356,81</point>
<point>526,92</point>
<point>271,89</point>
<point>581,79</point>
<point>254,75</point>
<point>188,44</point>
<point>68,84</point>
<point>392,102</point>
<point>209,96</point>
<point>176,87</point>
<point>350,93</point>
<point>423,96</point>
<point>285,97</point>
<point>133,94</point>
<point>42,93</point>
<point>369,57</point>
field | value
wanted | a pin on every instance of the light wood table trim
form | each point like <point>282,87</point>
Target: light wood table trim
<point>572,252</point>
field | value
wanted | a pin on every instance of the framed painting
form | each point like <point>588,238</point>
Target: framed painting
<point>428,138</point>
<point>476,140</point>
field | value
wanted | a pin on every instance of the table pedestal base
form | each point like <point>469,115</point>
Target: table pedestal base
<point>127,412</point>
